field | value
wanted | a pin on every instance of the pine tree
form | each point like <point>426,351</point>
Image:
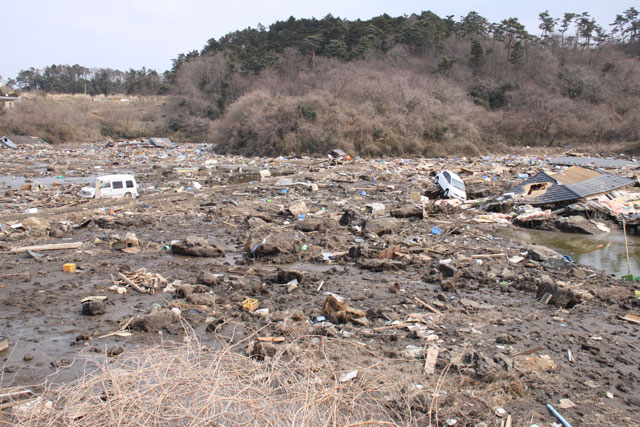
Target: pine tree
<point>477,56</point>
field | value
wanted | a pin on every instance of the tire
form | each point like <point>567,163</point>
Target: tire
<point>446,193</point>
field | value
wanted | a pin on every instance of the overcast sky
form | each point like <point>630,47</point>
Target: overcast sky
<point>123,34</point>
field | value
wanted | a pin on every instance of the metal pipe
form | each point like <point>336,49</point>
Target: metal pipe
<point>558,416</point>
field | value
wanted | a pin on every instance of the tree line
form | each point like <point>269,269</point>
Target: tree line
<point>252,50</point>
<point>74,79</point>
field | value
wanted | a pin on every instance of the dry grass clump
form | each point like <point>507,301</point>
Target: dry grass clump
<point>192,385</point>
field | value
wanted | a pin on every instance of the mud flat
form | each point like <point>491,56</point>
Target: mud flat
<point>350,265</point>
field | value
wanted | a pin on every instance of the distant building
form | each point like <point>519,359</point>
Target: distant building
<point>8,102</point>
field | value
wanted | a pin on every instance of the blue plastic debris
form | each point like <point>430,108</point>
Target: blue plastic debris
<point>363,193</point>
<point>523,175</point>
<point>300,217</point>
<point>567,258</point>
<point>436,231</point>
<point>284,190</point>
<point>319,319</point>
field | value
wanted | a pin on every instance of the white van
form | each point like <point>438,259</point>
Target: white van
<point>451,184</point>
<point>111,186</point>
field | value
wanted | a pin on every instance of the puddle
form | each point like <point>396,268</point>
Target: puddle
<point>14,182</point>
<point>605,252</point>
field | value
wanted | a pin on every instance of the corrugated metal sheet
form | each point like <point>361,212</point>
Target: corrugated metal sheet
<point>592,161</point>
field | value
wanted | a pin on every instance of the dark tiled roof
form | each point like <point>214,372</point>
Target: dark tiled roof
<point>592,161</point>
<point>561,193</point>
<point>600,184</point>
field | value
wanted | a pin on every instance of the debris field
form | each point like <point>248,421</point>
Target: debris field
<point>281,255</point>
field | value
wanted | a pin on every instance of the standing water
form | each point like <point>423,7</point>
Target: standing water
<point>605,251</point>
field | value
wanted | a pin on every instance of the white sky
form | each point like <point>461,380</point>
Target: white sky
<point>123,34</point>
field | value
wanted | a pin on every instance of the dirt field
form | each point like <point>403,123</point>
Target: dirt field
<point>442,317</point>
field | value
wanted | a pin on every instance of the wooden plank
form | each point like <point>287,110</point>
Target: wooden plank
<point>430,361</point>
<point>435,310</point>
<point>51,247</point>
<point>633,318</point>
<point>133,285</point>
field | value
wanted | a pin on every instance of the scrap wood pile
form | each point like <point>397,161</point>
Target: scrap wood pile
<point>141,280</point>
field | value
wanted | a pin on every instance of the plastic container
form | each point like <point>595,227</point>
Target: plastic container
<point>250,304</point>
<point>69,268</point>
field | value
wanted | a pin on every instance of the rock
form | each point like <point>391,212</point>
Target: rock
<point>57,233</point>
<point>535,363</point>
<point>508,275</point>
<point>285,276</point>
<point>355,252</point>
<point>561,295</point>
<point>185,291</point>
<point>506,339</point>
<point>298,208</point>
<point>447,270</point>
<point>339,307</point>
<point>115,351</point>
<point>84,337</point>
<point>202,299</point>
<point>325,329</point>
<point>541,253</point>
<point>39,225</point>
<point>156,321</point>
<point>407,212</point>
<point>94,308</point>
<point>382,265</point>
<point>346,218</point>
<point>566,404</point>
<point>578,273</point>
<point>383,226</point>
<point>281,243</point>
<point>261,350</point>
<point>311,224</point>
<point>375,208</point>
<point>210,279</point>
<point>197,247</point>
<point>413,352</point>
<point>576,224</point>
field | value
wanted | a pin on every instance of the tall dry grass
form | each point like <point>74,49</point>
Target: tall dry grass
<point>190,385</point>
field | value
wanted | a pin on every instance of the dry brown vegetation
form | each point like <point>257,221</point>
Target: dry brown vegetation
<point>398,104</point>
<point>394,103</point>
<point>192,385</point>
<point>76,119</point>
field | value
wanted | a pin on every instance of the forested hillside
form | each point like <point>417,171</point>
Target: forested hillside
<point>411,85</point>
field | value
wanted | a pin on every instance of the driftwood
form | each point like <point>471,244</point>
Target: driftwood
<point>51,247</point>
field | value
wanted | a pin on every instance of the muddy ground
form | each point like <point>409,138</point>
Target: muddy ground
<point>416,276</point>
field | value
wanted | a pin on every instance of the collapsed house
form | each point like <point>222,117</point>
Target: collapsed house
<point>572,184</point>
<point>581,191</point>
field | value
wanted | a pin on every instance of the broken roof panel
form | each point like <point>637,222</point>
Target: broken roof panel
<point>162,142</point>
<point>7,142</point>
<point>592,161</point>
<point>535,194</point>
<point>27,140</point>
<point>574,174</point>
